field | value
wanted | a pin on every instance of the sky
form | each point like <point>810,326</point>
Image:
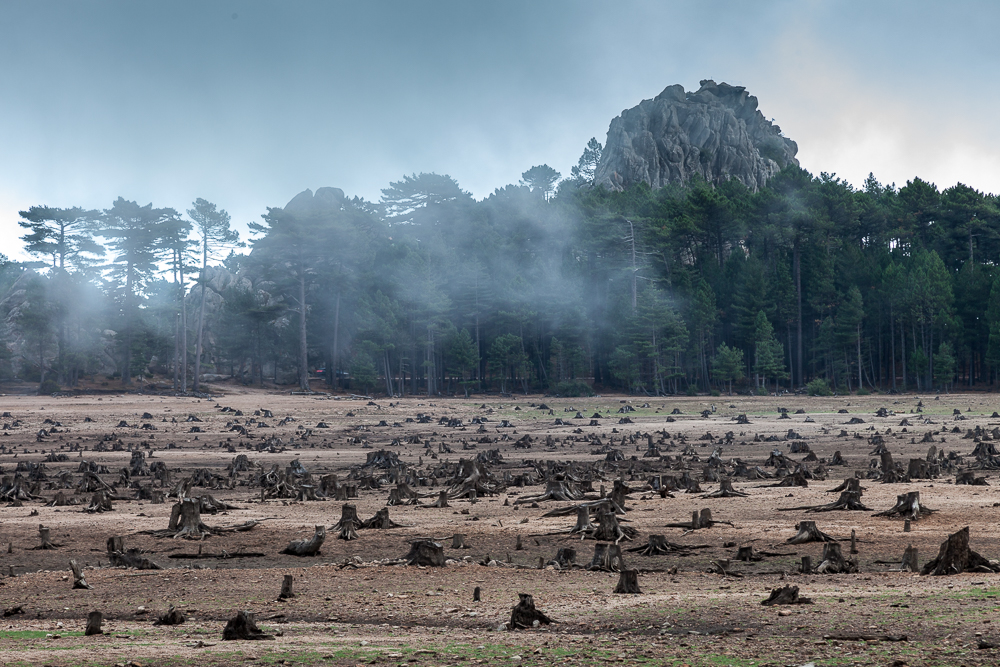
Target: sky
<point>248,103</point>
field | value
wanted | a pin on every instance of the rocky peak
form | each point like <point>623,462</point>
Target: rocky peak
<point>715,132</point>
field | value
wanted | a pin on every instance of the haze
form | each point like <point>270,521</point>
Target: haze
<point>248,103</point>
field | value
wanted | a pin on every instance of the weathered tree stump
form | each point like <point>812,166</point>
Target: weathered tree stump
<point>172,617</point>
<point>956,557</point>
<point>907,507</point>
<point>833,562</point>
<point>349,523</point>
<point>746,554</point>
<point>607,557</point>
<point>726,490</point>
<point>524,614</point>
<point>380,521</point>
<point>909,561</point>
<point>608,529</point>
<point>45,538</point>
<point>426,553</point>
<point>94,621</point>
<point>476,594</point>
<point>806,566</point>
<point>79,581</point>
<point>808,532</point>
<point>628,582</point>
<point>565,558</point>
<point>722,567</point>
<point>99,502</point>
<point>969,477</point>
<point>243,626</point>
<point>442,500</point>
<point>185,520</point>
<point>307,547</point>
<point>583,524</point>
<point>116,543</point>
<point>286,588</point>
<point>785,595</point>
<point>854,542</point>
<point>458,541</point>
<point>519,546</point>
<point>131,558</point>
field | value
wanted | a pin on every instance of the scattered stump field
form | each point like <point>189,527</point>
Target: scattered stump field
<point>143,529</point>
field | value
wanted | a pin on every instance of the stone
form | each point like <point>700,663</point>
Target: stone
<point>715,132</point>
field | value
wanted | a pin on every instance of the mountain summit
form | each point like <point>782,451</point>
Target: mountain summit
<point>715,132</point>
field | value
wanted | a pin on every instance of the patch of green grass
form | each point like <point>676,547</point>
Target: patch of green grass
<point>35,634</point>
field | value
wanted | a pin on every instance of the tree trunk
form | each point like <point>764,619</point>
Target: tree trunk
<point>956,557</point>
<point>185,519</point>
<point>201,319</point>
<point>79,581</point>
<point>349,523</point>
<point>607,557</point>
<point>286,588</point>
<point>628,582</point>
<point>426,553</point>
<point>44,538</point>
<point>94,621</point>
<point>303,345</point>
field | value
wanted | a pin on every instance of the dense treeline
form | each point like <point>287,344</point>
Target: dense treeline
<point>544,286</point>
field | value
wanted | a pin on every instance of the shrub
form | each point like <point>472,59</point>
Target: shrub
<point>48,387</point>
<point>572,388</point>
<point>819,387</point>
<point>761,391</point>
<point>692,390</point>
<point>862,392</point>
<point>716,392</point>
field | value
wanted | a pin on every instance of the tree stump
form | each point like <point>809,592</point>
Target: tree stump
<point>833,562</point>
<point>131,558</point>
<point>746,554</point>
<point>907,507</point>
<point>79,581</point>
<point>565,557</point>
<point>45,539</point>
<point>583,524</point>
<point>458,541</point>
<point>607,557</point>
<point>243,626</point>
<point>628,582</point>
<point>808,532</point>
<point>854,542</point>
<point>185,520</point>
<point>909,562</point>
<point>726,490</point>
<point>806,566</point>
<point>380,521</point>
<point>442,500</point>
<point>349,523</point>
<point>307,547</point>
<point>172,617</point>
<point>286,588</point>
<point>608,528</point>
<point>785,595</point>
<point>657,545</point>
<point>476,594</point>
<point>956,557</point>
<point>94,621</point>
<point>524,614</point>
<point>116,543</point>
<point>426,553</point>
<point>518,546</point>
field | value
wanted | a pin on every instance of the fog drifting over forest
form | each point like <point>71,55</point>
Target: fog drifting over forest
<point>248,103</point>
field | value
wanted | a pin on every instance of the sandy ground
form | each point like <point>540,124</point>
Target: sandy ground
<point>352,609</point>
